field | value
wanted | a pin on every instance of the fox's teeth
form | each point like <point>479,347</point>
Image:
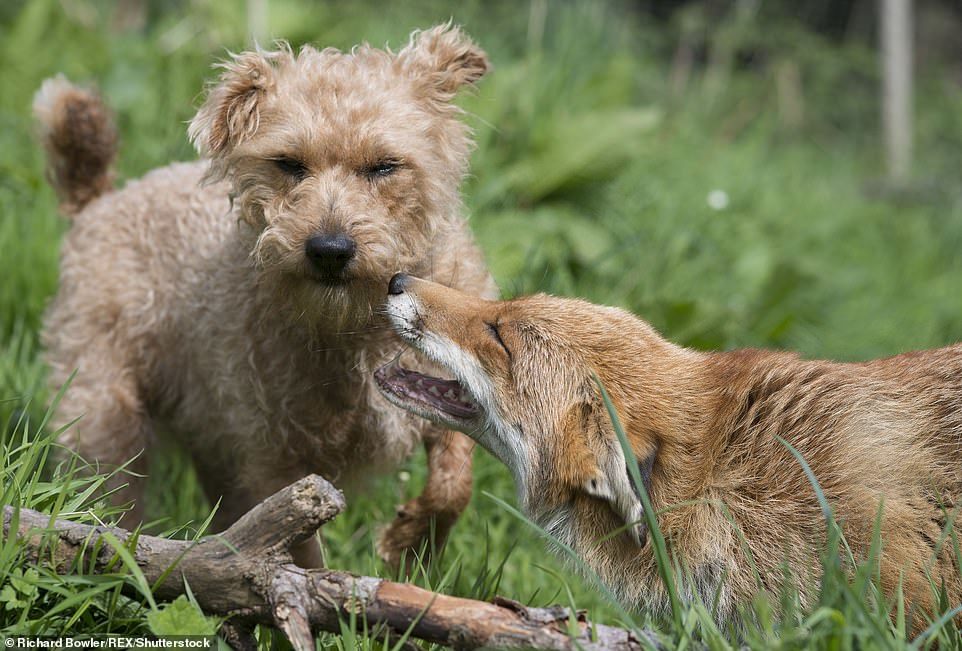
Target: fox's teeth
<point>434,391</point>
<point>450,395</point>
<point>420,383</point>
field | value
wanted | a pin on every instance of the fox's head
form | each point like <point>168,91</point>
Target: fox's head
<point>525,387</point>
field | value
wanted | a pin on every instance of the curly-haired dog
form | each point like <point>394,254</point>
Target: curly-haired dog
<point>734,505</point>
<point>234,302</point>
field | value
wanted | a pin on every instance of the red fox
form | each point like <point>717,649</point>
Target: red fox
<point>733,503</point>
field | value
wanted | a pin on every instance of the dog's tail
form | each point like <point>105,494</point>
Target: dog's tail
<point>80,139</point>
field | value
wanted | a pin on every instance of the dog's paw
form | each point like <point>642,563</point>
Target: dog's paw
<point>415,535</point>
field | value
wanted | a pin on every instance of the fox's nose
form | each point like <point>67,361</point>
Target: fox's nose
<point>397,284</point>
<point>330,253</point>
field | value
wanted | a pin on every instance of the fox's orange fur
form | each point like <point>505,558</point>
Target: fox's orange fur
<point>707,425</point>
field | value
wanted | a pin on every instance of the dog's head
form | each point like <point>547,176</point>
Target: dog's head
<point>345,165</point>
<point>525,387</point>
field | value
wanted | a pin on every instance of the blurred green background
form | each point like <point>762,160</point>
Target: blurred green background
<point>716,167</point>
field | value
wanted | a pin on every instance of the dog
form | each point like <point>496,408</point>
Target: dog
<point>732,501</point>
<point>233,303</point>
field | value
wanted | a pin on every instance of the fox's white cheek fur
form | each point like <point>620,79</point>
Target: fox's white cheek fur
<point>500,437</point>
<point>402,311</point>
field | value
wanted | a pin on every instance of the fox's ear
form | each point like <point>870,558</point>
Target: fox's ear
<point>231,112</point>
<point>446,57</point>
<point>614,483</point>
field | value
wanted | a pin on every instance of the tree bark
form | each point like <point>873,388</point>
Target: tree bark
<point>247,574</point>
<point>897,121</point>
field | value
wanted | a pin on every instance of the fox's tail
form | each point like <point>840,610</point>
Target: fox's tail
<point>79,136</point>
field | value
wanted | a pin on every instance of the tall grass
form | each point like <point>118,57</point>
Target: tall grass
<point>591,178</point>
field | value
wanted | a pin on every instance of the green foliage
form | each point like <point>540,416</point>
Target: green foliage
<point>597,153</point>
<point>35,474</point>
<point>181,617</point>
<point>20,589</point>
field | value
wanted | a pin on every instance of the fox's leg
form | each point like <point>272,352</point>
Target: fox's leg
<point>106,422</point>
<point>424,522</point>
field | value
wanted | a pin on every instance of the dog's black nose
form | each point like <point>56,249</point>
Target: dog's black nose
<point>330,253</point>
<point>396,286</point>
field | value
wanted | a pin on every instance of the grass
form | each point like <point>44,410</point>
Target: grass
<point>591,177</point>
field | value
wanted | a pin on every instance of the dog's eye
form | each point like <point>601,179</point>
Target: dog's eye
<point>292,167</point>
<point>381,169</point>
<point>496,335</point>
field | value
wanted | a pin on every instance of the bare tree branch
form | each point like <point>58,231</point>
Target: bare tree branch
<point>248,575</point>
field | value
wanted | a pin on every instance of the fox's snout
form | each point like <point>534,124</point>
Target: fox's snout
<point>452,329</point>
<point>402,309</point>
<point>397,284</point>
<point>414,304</point>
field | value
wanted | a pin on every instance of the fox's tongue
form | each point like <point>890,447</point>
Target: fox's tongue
<point>447,395</point>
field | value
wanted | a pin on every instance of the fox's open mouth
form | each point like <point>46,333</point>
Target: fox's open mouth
<point>424,394</point>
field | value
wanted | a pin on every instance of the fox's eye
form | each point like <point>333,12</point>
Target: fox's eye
<point>496,335</point>
<point>292,167</point>
<point>381,169</point>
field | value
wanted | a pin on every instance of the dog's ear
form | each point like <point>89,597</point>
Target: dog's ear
<point>446,57</point>
<point>231,112</point>
<point>613,479</point>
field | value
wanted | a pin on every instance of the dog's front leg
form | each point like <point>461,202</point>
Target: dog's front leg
<point>422,525</point>
<point>219,475</point>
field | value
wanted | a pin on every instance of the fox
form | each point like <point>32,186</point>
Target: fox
<point>712,434</point>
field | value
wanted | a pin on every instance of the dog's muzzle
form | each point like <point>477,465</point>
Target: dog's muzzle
<point>329,256</point>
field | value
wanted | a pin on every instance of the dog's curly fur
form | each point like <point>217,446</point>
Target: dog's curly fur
<point>187,303</point>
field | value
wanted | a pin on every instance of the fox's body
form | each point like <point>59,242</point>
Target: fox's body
<point>732,501</point>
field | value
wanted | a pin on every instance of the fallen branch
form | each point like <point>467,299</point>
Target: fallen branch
<point>247,574</point>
